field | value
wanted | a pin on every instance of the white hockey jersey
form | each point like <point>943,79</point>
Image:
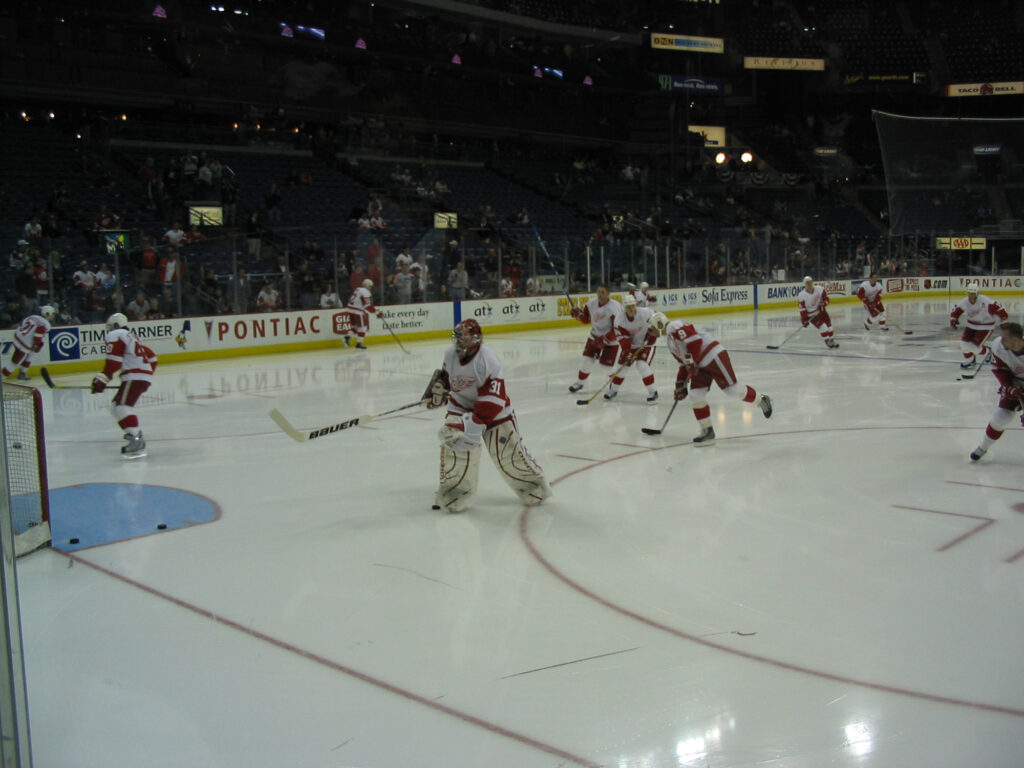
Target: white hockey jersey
<point>635,330</point>
<point>1007,363</point>
<point>644,298</point>
<point>127,354</point>
<point>684,339</point>
<point>602,318</point>
<point>477,386</point>
<point>812,302</point>
<point>982,315</point>
<point>30,334</point>
<point>869,293</point>
<point>361,299</point>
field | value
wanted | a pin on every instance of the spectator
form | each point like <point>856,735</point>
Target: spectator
<point>170,269</point>
<point>20,255</point>
<point>329,298</point>
<point>403,257</point>
<point>458,282</point>
<point>25,285</point>
<point>507,289</point>
<point>175,234</point>
<point>139,307</point>
<point>105,278</point>
<point>51,231</point>
<point>33,230</point>
<point>305,282</point>
<point>401,281</point>
<point>268,298</point>
<point>377,222</point>
<point>229,199</point>
<point>254,234</point>
<point>533,285</point>
<point>272,203</point>
<point>356,276</point>
<point>239,291</point>
<point>106,219</point>
<point>418,287</point>
<point>147,263</point>
<point>84,278</point>
<point>167,305</point>
<point>193,235</point>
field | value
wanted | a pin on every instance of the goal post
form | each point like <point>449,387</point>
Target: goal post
<point>25,448</point>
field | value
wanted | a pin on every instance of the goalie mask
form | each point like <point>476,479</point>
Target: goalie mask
<point>467,338</point>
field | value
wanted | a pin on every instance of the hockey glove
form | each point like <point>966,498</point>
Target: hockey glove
<point>436,393</point>
<point>1012,391</point>
<point>954,323</point>
<point>99,383</point>
<point>472,433</point>
<point>577,312</point>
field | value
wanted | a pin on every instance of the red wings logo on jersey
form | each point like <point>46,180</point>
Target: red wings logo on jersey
<point>460,383</point>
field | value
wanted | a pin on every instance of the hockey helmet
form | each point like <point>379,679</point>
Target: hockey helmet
<point>972,288</point>
<point>368,284</point>
<point>467,337</point>
<point>629,300</point>
<point>644,286</point>
<point>658,322</point>
<point>48,311</point>
<point>117,320</point>
<point>808,279</point>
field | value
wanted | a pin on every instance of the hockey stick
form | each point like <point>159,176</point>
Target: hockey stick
<point>901,329</point>
<point>622,367</point>
<point>397,341</point>
<point>301,437</point>
<point>554,269</point>
<point>650,431</point>
<point>794,333</point>
<point>49,382</point>
<point>970,373</point>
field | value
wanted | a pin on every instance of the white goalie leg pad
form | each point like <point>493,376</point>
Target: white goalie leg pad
<point>459,473</point>
<point>515,464</point>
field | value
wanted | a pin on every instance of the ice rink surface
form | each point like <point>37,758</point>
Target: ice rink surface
<point>838,585</point>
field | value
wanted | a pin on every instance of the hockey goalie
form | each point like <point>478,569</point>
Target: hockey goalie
<point>471,385</point>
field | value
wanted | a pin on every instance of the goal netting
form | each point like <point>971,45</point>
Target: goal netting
<point>26,466</point>
<point>950,175</point>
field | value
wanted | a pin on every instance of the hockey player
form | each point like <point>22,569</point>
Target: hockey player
<point>702,362</point>
<point>981,315</point>
<point>644,298</point>
<point>601,346</point>
<point>870,294</point>
<point>28,339</point>
<point>1008,368</point>
<point>137,363</point>
<point>637,330</point>
<point>360,307</point>
<point>471,384</point>
<point>812,301</point>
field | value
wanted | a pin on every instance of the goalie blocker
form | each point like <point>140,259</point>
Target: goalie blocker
<point>471,385</point>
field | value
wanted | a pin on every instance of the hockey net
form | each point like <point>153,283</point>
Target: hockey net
<point>26,467</point>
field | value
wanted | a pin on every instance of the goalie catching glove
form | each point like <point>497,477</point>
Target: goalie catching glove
<point>436,393</point>
<point>99,383</point>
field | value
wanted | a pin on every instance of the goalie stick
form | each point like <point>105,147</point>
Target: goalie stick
<point>651,431</point>
<point>49,382</point>
<point>311,434</point>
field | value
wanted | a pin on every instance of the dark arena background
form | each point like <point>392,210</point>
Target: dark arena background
<point>841,584</point>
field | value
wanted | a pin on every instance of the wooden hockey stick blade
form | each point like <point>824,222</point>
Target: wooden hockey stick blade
<point>286,426</point>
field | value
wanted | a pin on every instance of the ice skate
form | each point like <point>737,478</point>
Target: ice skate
<point>653,397</point>
<point>765,404</point>
<point>866,326</point>
<point>967,364</point>
<point>135,448</point>
<point>978,452</point>
<point>360,345</point>
<point>885,327</point>
<point>706,437</point>
<point>347,343</point>
<point>22,376</point>
<point>831,343</point>
<point>576,387</point>
<point>610,394</point>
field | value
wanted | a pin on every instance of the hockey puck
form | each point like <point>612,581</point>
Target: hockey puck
<point>436,506</point>
<point>15,444</point>
<point>72,541</point>
<point>161,526</point>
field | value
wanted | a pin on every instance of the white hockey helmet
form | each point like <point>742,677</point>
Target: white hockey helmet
<point>629,300</point>
<point>368,284</point>
<point>972,288</point>
<point>644,286</point>
<point>658,322</point>
<point>117,320</point>
<point>808,279</point>
<point>48,311</point>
